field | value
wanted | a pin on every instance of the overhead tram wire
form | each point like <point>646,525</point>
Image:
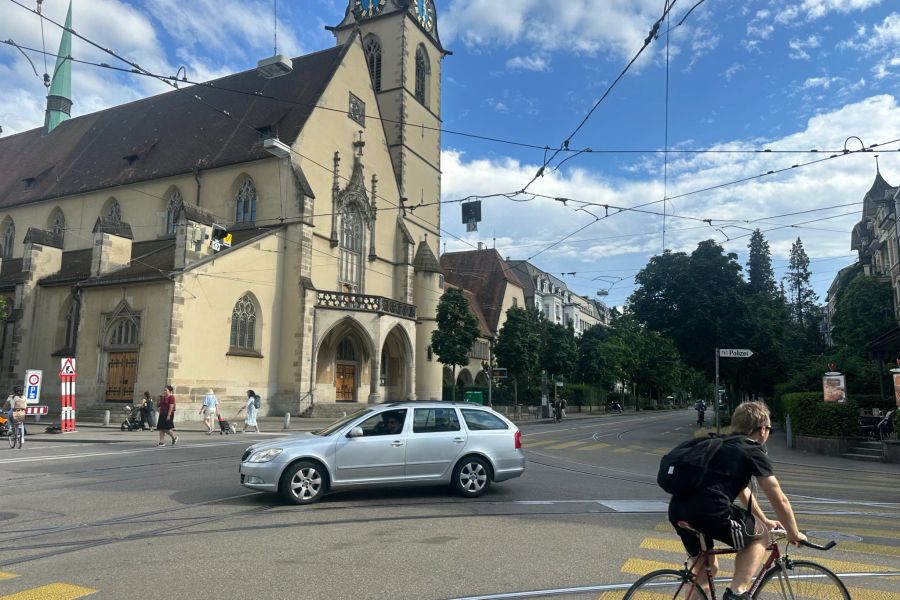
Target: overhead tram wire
<point>666,139</point>
<point>577,152</point>
<point>225,113</point>
<point>650,37</point>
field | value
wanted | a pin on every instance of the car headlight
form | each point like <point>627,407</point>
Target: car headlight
<point>264,455</point>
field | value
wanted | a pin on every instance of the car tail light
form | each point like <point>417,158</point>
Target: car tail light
<point>518,439</point>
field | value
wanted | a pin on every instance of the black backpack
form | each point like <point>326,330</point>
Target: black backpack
<point>256,402</point>
<point>683,469</point>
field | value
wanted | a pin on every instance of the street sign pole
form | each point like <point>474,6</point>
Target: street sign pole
<point>716,395</point>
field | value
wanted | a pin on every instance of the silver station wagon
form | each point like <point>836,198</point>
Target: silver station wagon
<point>465,445</point>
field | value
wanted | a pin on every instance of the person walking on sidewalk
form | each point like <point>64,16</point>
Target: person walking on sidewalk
<point>165,425</point>
<point>252,408</point>
<point>209,410</point>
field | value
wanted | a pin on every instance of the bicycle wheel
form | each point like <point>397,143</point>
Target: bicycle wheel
<point>666,584</point>
<point>11,437</point>
<point>804,580</point>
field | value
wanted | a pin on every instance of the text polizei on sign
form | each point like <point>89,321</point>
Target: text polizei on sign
<point>33,386</point>
<point>735,353</point>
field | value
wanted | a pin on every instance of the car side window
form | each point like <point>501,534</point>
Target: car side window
<point>432,420</point>
<point>480,420</point>
<point>386,423</point>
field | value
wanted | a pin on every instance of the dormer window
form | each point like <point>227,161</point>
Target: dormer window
<point>29,182</point>
<point>131,159</point>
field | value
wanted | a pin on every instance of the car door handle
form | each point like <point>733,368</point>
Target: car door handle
<point>396,443</point>
<point>459,440</point>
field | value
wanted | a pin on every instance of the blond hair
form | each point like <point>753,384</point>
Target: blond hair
<point>749,417</point>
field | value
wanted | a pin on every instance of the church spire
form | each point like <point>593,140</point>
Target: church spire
<point>59,99</point>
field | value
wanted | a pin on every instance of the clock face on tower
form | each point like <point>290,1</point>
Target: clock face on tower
<point>424,10</point>
<point>370,8</point>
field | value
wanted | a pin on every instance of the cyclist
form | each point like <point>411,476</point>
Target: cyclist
<point>700,407</point>
<point>16,405</point>
<point>711,509</point>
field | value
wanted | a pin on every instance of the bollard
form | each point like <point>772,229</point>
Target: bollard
<point>287,421</point>
<point>37,418</point>
<point>789,435</point>
<point>106,418</point>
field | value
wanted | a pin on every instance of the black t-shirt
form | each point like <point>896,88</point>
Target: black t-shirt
<point>739,459</point>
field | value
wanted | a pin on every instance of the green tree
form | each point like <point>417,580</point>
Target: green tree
<point>559,353</point>
<point>760,276</point>
<point>456,331</point>
<point>864,310</point>
<point>518,345</point>
<point>802,297</point>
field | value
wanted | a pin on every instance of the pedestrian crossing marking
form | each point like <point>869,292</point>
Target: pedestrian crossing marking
<point>567,444</point>
<point>53,591</point>
<point>622,450</point>
<point>4,576</point>
<point>597,446</point>
<point>864,548</point>
<point>536,443</point>
<point>640,566</point>
<point>849,519</point>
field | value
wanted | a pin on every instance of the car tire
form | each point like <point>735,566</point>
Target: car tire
<point>472,476</point>
<point>304,482</point>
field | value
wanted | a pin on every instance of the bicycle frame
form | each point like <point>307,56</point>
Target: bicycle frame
<point>774,557</point>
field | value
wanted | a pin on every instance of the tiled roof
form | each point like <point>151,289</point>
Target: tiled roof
<point>475,309</point>
<point>485,274</point>
<point>425,259</point>
<point>164,135</point>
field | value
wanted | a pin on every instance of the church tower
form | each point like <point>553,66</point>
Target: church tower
<point>59,98</point>
<point>404,54</point>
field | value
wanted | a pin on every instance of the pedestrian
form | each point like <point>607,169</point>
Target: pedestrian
<point>165,424</point>
<point>209,410</point>
<point>700,407</point>
<point>252,408</point>
<point>146,412</point>
<point>559,405</point>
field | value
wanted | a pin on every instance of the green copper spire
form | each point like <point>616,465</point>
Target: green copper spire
<point>59,99</point>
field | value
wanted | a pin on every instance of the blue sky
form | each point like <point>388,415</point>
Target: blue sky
<point>751,75</point>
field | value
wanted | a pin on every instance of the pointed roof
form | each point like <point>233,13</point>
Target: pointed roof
<point>877,193</point>
<point>59,98</point>
<point>425,259</point>
<point>165,135</point>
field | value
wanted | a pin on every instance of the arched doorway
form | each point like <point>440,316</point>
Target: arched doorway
<point>395,366</point>
<point>343,363</point>
<point>463,379</point>
<point>481,379</point>
<point>121,343</point>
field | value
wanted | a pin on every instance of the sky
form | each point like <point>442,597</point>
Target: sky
<point>727,91</point>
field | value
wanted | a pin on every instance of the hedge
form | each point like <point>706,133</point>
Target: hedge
<point>811,415</point>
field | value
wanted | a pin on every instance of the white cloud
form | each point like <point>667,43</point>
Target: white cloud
<point>535,62</point>
<point>540,222</point>
<point>584,26</point>
<point>799,47</point>
<point>732,71</point>
<point>883,36</point>
<point>817,9</point>
<point>821,82</point>
<point>496,105</point>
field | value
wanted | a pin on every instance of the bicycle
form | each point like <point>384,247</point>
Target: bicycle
<point>780,578</point>
<point>16,434</point>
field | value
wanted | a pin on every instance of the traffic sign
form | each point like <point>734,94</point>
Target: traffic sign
<point>498,372</point>
<point>66,366</point>
<point>36,410</point>
<point>735,353</point>
<point>33,386</point>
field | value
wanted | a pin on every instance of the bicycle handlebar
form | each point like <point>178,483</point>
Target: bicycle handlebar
<point>831,544</point>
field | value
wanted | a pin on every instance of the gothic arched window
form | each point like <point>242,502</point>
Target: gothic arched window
<point>351,242</point>
<point>57,224</point>
<point>245,206</point>
<point>243,324</point>
<point>172,208</point>
<point>114,211</point>
<point>372,47</point>
<point>123,332</point>
<point>9,238</point>
<point>423,75</point>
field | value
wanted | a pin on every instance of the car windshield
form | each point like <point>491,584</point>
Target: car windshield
<point>341,422</point>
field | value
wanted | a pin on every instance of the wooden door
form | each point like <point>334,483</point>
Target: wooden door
<point>345,383</point>
<point>121,371</point>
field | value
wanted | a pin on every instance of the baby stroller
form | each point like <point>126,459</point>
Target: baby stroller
<point>132,420</point>
<point>224,426</point>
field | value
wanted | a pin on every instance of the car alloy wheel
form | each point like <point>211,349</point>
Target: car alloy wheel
<point>472,477</point>
<point>304,483</point>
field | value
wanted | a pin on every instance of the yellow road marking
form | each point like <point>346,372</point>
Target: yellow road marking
<point>873,520</point>
<point>636,447</point>
<point>4,576</point>
<point>622,450</point>
<point>597,446</point>
<point>536,443</point>
<point>568,444</point>
<point>640,566</point>
<point>864,548</point>
<point>53,591</point>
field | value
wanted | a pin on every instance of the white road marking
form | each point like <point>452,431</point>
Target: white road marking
<point>24,459</point>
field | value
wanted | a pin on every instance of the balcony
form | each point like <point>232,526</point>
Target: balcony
<point>363,302</point>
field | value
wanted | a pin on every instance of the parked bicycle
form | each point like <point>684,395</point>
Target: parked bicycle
<point>780,577</point>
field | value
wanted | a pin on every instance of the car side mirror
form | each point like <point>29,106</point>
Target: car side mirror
<point>355,432</point>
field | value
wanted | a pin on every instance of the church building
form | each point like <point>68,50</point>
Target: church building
<point>269,233</point>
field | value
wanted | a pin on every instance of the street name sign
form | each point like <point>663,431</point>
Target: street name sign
<point>735,353</point>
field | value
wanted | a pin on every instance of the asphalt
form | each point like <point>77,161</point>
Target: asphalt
<point>91,432</point>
